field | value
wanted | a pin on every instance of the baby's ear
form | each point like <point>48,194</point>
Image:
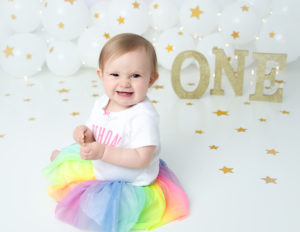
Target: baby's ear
<point>100,74</point>
<point>153,78</point>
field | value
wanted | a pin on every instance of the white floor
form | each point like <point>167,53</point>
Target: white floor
<point>36,118</point>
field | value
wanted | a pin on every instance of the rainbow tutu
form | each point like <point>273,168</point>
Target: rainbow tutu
<point>111,206</point>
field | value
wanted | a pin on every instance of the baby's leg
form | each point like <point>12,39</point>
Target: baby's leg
<point>54,154</point>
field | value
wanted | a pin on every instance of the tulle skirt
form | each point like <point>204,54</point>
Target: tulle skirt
<point>111,206</point>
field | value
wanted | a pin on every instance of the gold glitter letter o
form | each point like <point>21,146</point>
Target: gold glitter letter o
<point>204,75</point>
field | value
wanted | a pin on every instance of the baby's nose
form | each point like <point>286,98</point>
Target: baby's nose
<point>125,83</point>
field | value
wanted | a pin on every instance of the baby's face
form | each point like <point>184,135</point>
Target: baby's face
<point>126,79</point>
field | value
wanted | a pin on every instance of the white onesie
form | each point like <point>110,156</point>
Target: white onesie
<point>135,127</point>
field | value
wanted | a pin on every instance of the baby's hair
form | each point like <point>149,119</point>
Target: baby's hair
<point>127,42</point>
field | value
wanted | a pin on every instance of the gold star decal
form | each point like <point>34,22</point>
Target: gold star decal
<point>70,1</point>
<point>220,113</point>
<point>94,81</point>
<point>106,35</point>
<point>136,5</point>
<point>63,91</point>
<point>241,129</point>
<point>189,104</point>
<point>31,119</point>
<point>285,112</point>
<point>245,8</point>
<point>272,152</point>
<point>51,49</point>
<point>226,170</point>
<point>262,119</point>
<point>196,12</point>
<point>155,6</point>
<point>247,103</point>
<point>61,25</point>
<point>268,180</point>
<point>180,33</point>
<point>2,136</point>
<point>235,34</point>
<point>121,20</point>
<point>213,147</point>
<point>95,95</point>
<point>7,94</point>
<point>8,51</point>
<point>13,17</point>
<point>27,100</point>
<point>30,84</point>
<point>65,99</point>
<point>169,48</point>
<point>229,58</point>
<point>96,15</point>
<point>45,4</point>
<point>154,101</point>
<point>199,132</point>
<point>75,114</point>
<point>28,56</point>
<point>94,86</point>
<point>271,34</point>
<point>158,86</point>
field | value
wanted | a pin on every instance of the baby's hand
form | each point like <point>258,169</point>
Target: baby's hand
<point>92,151</point>
<point>82,134</point>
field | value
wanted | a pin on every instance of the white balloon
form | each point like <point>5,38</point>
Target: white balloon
<point>23,54</point>
<point>250,47</point>
<point>90,44</point>
<point>224,3</point>
<point>5,30</point>
<point>22,16</point>
<point>45,35</point>
<point>170,44</point>
<point>63,58</point>
<point>164,14</point>
<point>65,20</point>
<point>178,2</point>
<point>129,16</point>
<point>263,6</point>
<point>289,8</point>
<point>239,23</point>
<point>99,13</point>
<point>152,35</point>
<point>278,35</point>
<point>206,45</point>
<point>91,3</point>
<point>199,16</point>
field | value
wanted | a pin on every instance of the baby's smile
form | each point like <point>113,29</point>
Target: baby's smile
<point>124,93</point>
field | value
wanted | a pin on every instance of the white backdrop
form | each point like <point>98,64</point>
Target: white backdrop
<point>38,33</point>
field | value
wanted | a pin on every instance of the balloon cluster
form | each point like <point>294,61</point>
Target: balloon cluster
<point>69,34</point>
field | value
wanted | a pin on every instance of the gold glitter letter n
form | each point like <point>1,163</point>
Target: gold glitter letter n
<point>236,80</point>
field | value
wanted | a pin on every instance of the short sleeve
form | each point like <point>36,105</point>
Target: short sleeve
<point>144,130</point>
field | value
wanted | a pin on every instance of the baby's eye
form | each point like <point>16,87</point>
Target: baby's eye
<point>135,75</point>
<point>114,74</point>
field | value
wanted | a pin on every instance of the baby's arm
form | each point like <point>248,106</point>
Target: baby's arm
<point>125,157</point>
<point>82,134</point>
<point>137,158</point>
